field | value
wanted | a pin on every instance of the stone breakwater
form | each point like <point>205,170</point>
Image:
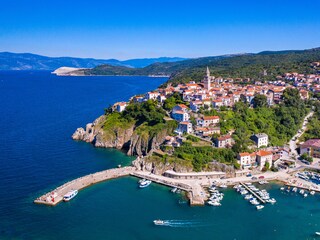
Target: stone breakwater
<point>55,196</point>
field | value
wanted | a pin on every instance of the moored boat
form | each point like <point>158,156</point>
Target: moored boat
<point>145,184</point>
<point>259,207</point>
<point>69,195</point>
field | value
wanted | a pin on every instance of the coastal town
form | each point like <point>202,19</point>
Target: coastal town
<point>218,94</point>
<point>255,165</point>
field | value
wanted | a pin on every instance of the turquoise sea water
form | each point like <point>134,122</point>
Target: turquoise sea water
<point>39,112</point>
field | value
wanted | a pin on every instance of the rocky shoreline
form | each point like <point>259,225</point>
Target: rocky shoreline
<point>125,139</point>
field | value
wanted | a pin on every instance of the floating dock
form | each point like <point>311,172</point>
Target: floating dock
<point>55,196</point>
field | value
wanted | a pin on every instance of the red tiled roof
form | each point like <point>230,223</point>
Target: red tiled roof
<point>311,143</point>
<point>210,117</point>
<point>263,153</point>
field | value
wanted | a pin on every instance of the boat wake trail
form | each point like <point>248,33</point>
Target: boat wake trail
<point>183,223</point>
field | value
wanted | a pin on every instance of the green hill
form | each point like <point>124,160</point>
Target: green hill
<point>235,66</point>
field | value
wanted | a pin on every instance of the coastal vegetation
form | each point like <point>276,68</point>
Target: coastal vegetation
<point>200,157</point>
<point>313,127</point>
<point>279,122</point>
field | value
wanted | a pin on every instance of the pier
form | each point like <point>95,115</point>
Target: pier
<point>55,196</point>
<point>253,193</point>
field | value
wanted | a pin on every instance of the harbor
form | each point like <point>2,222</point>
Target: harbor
<point>194,188</point>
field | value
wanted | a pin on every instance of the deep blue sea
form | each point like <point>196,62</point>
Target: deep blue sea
<point>40,111</point>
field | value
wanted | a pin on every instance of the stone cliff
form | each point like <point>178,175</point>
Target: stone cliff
<point>128,137</point>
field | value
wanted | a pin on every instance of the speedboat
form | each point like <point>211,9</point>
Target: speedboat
<point>223,186</point>
<point>259,207</point>
<point>282,188</point>
<point>295,189</point>
<point>158,222</point>
<point>312,192</point>
<point>305,195</point>
<point>301,191</point>
<point>145,184</point>
<point>317,233</point>
<point>71,194</point>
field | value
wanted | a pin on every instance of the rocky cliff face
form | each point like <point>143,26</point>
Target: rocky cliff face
<point>120,138</point>
<point>147,164</point>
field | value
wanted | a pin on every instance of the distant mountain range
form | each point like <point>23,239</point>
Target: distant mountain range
<point>28,61</point>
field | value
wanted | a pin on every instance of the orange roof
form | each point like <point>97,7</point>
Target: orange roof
<point>244,154</point>
<point>182,106</point>
<point>210,117</point>
<point>185,123</point>
<point>263,153</point>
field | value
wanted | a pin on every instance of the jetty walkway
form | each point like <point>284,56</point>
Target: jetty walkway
<point>252,192</point>
<point>55,196</point>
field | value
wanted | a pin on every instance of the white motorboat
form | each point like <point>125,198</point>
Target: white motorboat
<point>301,191</point>
<point>295,189</point>
<point>223,186</point>
<point>259,207</point>
<point>312,192</point>
<point>243,192</point>
<point>214,203</point>
<point>254,202</point>
<point>247,197</point>
<point>71,194</point>
<point>145,184</point>
<point>158,222</point>
<point>272,201</point>
<point>305,195</point>
<point>282,188</point>
<point>317,233</point>
<point>142,180</point>
<point>173,190</point>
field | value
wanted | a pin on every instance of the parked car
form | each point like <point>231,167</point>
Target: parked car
<point>254,178</point>
<point>249,175</point>
<point>261,177</point>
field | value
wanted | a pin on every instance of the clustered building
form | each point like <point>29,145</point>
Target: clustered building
<point>214,93</point>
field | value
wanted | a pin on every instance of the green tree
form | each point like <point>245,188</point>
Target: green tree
<point>260,101</point>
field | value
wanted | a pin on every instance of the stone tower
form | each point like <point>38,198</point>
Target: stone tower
<point>207,80</point>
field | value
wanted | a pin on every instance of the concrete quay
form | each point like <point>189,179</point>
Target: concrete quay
<point>55,196</point>
<point>194,189</point>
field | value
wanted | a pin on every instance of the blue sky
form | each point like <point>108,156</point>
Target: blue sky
<point>134,29</point>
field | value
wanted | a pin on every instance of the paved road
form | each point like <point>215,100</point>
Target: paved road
<point>292,142</point>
